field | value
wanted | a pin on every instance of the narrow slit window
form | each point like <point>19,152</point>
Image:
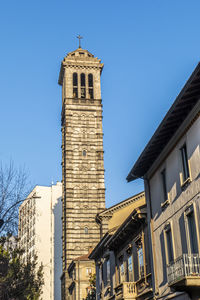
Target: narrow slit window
<point>84,153</point>
<point>108,270</point>
<point>169,244</point>
<point>121,271</point>
<point>130,268</point>
<point>75,85</point>
<point>90,86</point>
<point>185,166</point>
<point>164,185</point>
<point>83,93</point>
<point>141,261</point>
<point>192,233</point>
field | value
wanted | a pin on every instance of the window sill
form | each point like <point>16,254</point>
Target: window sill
<point>165,204</point>
<point>186,183</point>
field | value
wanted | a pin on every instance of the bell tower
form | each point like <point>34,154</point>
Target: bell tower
<point>82,155</point>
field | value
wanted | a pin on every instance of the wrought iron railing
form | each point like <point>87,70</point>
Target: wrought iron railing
<point>184,266</point>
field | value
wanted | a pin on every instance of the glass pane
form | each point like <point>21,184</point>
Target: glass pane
<point>185,162</point>
<point>75,79</point>
<point>141,261</point>
<point>122,272</point>
<point>82,92</point>
<point>108,270</point>
<point>163,174</point>
<point>90,80</point>
<point>169,246</point>
<point>82,79</point>
<point>91,94</point>
<point>130,268</point>
<point>75,93</point>
<point>192,233</point>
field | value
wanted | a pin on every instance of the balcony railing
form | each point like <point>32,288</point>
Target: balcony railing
<point>187,265</point>
<point>126,290</point>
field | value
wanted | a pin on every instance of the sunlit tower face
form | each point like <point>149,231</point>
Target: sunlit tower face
<point>82,154</point>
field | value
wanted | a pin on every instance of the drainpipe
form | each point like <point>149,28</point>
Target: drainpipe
<point>79,280</point>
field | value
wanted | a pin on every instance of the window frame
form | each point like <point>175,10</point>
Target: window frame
<point>108,270</point>
<point>130,273</point>
<point>185,168</point>
<point>141,268</point>
<point>86,230</point>
<point>91,86</point>
<point>83,85</point>
<point>164,185</point>
<point>190,211</point>
<point>169,243</point>
<point>75,85</point>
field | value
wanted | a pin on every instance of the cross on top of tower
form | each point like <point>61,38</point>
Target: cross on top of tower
<point>79,37</point>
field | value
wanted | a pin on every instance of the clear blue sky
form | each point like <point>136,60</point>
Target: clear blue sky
<point>149,48</point>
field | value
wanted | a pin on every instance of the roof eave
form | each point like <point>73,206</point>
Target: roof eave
<point>170,114</point>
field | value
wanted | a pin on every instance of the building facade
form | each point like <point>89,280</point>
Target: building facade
<point>132,260</point>
<point>40,232</point>
<point>170,166</point>
<point>122,256</point>
<point>82,156</point>
<point>81,270</point>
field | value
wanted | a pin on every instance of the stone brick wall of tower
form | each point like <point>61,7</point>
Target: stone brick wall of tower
<point>82,164</point>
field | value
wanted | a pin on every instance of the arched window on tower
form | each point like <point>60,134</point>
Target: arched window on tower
<point>86,230</point>
<point>90,86</point>
<point>83,85</point>
<point>75,85</point>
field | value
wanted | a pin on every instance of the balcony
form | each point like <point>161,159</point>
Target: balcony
<point>126,290</point>
<point>184,272</point>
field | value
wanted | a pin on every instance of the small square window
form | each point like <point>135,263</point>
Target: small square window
<point>88,271</point>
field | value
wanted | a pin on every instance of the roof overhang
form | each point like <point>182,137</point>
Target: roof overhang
<point>188,98</point>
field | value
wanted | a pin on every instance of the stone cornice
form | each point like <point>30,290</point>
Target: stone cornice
<point>107,213</point>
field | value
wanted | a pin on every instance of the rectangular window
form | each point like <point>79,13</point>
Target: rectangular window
<point>192,233</point>
<point>75,92</point>
<point>121,273</point>
<point>83,93</point>
<point>108,270</point>
<point>141,261</point>
<point>91,94</point>
<point>100,277</point>
<point>130,268</point>
<point>169,244</point>
<point>185,166</point>
<point>88,271</point>
<point>164,185</point>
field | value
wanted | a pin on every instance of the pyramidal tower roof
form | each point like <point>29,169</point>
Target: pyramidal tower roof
<point>79,58</point>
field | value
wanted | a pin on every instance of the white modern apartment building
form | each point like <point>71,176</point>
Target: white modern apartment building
<point>40,233</point>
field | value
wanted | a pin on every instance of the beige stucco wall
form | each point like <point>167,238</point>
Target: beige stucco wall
<point>84,277</point>
<point>121,214</point>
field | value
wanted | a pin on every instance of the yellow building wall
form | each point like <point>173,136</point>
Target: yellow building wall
<point>120,215</point>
